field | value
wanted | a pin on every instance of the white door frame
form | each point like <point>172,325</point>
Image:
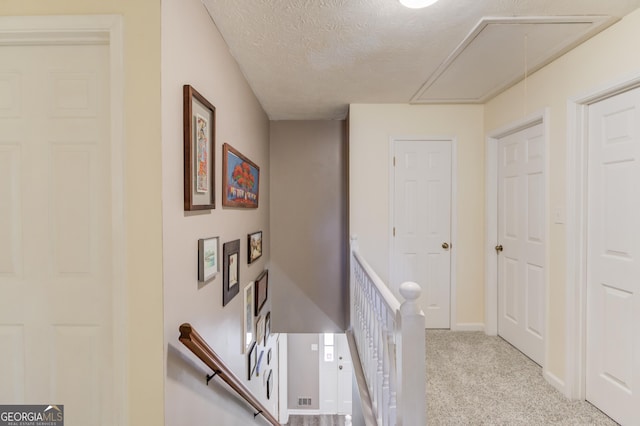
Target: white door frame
<point>576,232</point>
<point>453,324</point>
<point>104,30</point>
<point>491,222</point>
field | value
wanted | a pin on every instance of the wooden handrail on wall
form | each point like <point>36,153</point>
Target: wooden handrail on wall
<point>192,340</point>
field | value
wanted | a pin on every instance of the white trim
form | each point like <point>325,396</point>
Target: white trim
<point>302,412</point>
<point>491,237</point>
<point>554,381</point>
<point>576,232</point>
<point>283,372</point>
<point>491,219</point>
<point>91,30</point>
<point>453,296</point>
<point>469,326</point>
<point>453,302</point>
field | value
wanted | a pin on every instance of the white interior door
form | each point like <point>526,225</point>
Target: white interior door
<point>422,224</point>
<point>521,236</point>
<point>613,266</point>
<point>328,371</point>
<point>345,375</point>
<point>55,230</point>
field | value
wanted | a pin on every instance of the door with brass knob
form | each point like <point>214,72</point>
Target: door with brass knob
<point>422,210</point>
<point>520,240</point>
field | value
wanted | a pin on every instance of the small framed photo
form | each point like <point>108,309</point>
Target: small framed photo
<point>260,330</point>
<point>231,271</point>
<point>267,328</point>
<point>248,317</point>
<point>199,122</point>
<point>252,360</point>
<point>254,244</point>
<point>259,364</point>
<point>240,179</point>
<point>208,260</point>
<point>269,384</point>
<point>261,290</point>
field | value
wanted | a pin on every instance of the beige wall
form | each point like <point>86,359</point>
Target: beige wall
<point>142,187</point>
<point>309,226</point>
<point>606,58</point>
<point>371,127</point>
<point>193,52</point>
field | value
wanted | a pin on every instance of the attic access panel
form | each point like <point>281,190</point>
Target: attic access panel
<point>498,53</point>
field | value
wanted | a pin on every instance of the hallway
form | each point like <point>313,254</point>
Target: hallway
<point>475,379</point>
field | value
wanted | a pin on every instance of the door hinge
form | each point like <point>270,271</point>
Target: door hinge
<point>394,231</point>
<point>394,161</point>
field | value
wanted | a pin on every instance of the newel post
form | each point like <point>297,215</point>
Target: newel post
<point>412,401</point>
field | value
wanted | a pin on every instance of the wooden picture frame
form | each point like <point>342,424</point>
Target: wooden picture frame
<point>247,320</point>
<point>240,179</point>
<point>261,291</point>
<point>208,258</point>
<point>252,360</point>
<point>231,271</point>
<point>199,122</point>
<point>254,246</point>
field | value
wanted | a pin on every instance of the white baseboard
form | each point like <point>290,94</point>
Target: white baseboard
<point>304,412</point>
<point>468,326</point>
<point>556,382</point>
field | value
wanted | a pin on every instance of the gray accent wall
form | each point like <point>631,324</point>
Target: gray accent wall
<point>304,371</point>
<point>308,221</point>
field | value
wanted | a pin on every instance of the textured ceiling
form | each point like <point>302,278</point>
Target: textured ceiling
<point>309,59</point>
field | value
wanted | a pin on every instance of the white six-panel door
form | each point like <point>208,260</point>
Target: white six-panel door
<point>55,230</point>
<point>422,222</point>
<point>521,235</point>
<point>345,375</point>
<point>613,266</point>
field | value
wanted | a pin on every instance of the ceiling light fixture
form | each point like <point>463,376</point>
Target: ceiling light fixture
<point>417,4</point>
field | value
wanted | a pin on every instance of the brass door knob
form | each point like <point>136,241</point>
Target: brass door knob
<point>445,246</point>
<point>499,248</point>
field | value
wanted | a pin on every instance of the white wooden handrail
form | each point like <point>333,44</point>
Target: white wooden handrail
<point>389,337</point>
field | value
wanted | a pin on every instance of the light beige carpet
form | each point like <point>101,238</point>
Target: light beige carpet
<point>475,379</point>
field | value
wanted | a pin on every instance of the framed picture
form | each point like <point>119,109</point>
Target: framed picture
<point>259,364</point>
<point>252,360</point>
<point>208,265</point>
<point>260,330</point>
<point>248,317</point>
<point>269,384</point>
<point>240,179</point>
<point>254,245</point>
<point>231,273</point>
<point>199,122</point>
<point>267,328</point>
<point>261,290</point>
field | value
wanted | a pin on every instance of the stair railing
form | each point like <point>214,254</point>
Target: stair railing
<point>390,341</point>
<point>192,340</point>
